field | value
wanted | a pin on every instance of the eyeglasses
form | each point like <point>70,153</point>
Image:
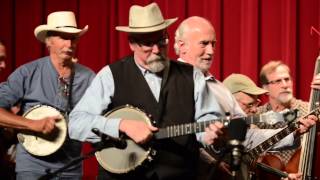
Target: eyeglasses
<point>279,81</point>
<point>251,104</point>
<point>160,43</point>
<point>150,41</point>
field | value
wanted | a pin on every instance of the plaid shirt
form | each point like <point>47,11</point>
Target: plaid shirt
<point>285,154</point>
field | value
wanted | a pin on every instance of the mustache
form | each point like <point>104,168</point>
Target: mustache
<point>287,91</point>
<point>156,58</point>
<point>69,50</point>
<point>208,58</point>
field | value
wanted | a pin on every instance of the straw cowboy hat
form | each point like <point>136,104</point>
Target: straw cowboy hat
<point>60,21</point>
<point>145,19</point>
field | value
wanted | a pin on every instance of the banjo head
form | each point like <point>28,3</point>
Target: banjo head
<point>43,144</point>
<point>124,160</point>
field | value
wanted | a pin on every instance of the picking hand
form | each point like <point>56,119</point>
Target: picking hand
<point>138,131</point>
<point>293,176</point>
<point>45,125</point>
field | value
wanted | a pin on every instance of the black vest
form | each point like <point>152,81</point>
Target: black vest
<point>175,106</point>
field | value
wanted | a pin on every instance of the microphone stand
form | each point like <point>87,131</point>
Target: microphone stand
<point>215,165</point>
<point>49,175</point>
<point>237,130</point>
<point>237,151</point>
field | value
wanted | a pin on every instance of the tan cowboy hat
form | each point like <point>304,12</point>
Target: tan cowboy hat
<point>241,83</point>
<point>60,21</point>
<point>145,19</point>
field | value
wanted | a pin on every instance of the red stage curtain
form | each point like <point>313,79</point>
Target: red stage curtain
<point>249,33</point>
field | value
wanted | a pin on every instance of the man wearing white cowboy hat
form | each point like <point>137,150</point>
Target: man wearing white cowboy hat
<point>170,91</point>
<point>53,80</point>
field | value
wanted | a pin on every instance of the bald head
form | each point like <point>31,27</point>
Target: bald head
<point>195,42</point>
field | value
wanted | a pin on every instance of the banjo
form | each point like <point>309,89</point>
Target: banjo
<point>43,144</point>
<point>121,161</point>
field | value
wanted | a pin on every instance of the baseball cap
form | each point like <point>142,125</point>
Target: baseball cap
<point>241,83</point>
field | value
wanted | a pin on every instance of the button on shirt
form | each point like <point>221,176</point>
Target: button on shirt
<point>154,82</point>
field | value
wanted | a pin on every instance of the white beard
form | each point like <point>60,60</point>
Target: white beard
<point>285,98</point>
<point>156,63</point>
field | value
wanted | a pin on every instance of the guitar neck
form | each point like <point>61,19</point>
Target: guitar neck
<point>270,142</point>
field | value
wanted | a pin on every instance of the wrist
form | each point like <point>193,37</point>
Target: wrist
<point>122,125</point>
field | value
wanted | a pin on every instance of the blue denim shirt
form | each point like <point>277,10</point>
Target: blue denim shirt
<point>37,83</point>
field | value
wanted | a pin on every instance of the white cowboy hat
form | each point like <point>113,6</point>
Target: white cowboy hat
<point>145,19</point>
<point>60,21</point>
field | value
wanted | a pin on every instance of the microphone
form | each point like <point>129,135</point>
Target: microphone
<point>237,130</point>
<point>109,140</point>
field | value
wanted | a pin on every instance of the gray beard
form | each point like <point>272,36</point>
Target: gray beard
<point>285,99</point>
<point>157,64</point>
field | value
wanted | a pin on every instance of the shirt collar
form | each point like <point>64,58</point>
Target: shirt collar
<point>181,60</point>
<point>143,70</point>
<point>209,76</point>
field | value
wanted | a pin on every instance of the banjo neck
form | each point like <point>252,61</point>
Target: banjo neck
<point>191,128</point>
